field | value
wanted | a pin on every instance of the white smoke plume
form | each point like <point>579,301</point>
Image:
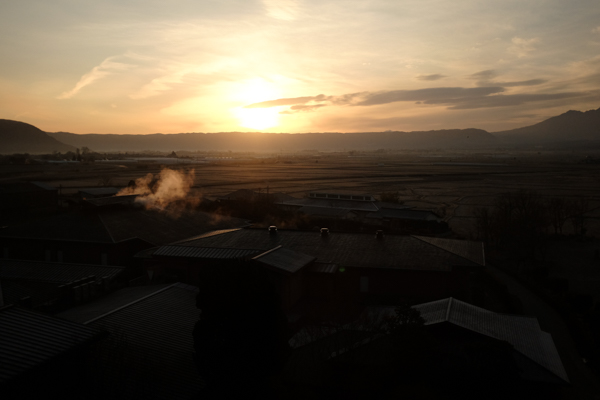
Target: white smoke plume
<point>169,191</point>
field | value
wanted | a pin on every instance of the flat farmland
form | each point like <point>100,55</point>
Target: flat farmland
<point>454,185</point>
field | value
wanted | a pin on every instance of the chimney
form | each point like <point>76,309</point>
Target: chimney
<point>324,232</point>
<point>272,230</point>
<point>379,234</point>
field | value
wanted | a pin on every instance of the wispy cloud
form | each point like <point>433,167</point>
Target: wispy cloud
<point>286,10</point>
<point>107,67</point>
<point>596,29</point>
<point>522,47</point>
<point>432,77</point>
<point>456,98</point>
<point>486,78</point>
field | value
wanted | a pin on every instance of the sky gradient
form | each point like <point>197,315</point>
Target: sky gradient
<point>147,66</point>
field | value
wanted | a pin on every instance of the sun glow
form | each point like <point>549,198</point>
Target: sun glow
<point>257,118</point>
<point>254,91</point>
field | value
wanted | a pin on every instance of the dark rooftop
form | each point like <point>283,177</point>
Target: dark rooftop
<point>115,225</point>
<point>352,249</point>
<point>284,260</point>
<point>53,272</point>
<point>29,339</point>
<point>522,332</point>
<point>156,329</point>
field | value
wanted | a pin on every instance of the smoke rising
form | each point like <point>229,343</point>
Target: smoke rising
<point>168,191</point>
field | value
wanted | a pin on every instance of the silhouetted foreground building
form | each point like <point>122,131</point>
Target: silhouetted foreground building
<point>148,354</point>
<point>373,267</point>
<point>457,351</point>
<point>41,356</point>
<point>105,236</point>
<point>55,286</point>
<point>533,350</point>
<point>20,200</point>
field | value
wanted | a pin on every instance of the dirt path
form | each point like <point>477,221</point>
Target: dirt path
<point>585,384</point>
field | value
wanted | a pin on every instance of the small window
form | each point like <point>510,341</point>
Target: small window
<point>357,198</point>
<point>59,256</point>
<point>48,256</point>
<point>104,259</point>
<point>345,197</point>
<point>5,252</point>
<point>322,195</point>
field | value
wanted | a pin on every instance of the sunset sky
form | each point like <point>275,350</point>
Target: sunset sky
<point>147,66</point>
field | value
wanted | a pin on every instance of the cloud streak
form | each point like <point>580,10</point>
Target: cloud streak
<point>432,77</point>
<point>107,67</point>
<point>456,98</point>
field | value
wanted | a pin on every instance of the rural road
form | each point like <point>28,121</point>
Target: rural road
<point>585,384</point>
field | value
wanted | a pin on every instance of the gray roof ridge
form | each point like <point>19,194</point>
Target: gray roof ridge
<point>267,252</point>
<point>106,228</point>
<point>205,235</point>
<point>422,238</point>
<point>130,304</point>
<point>449,309</point>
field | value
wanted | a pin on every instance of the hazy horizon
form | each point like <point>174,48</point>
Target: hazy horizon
<point>296,66</point>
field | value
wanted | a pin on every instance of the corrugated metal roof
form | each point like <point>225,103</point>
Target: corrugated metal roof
<point>324,268</point>
<point>523,333</point>
<point>54,272</point>
<point>418,215</point>
<point>468,250</point>
<point>108,201</point>
<point>332,203</point>
<point>157,331</point>
<point>283,259</point>
<point>102,191</point>
<point>204,252</point>
<point>28,339</point>
<point>109,303</point>
<point>345,248</point>
<point>324,211</point>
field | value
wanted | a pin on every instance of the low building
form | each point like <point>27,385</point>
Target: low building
<point>42,356</point>
<point>20,200</point>
<point>371,267</point>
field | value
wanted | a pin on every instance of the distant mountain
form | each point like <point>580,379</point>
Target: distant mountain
<point>570,127</point>
<point>273,142</point>
<point>19,137</point>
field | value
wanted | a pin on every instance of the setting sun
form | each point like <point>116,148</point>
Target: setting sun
<point>257,118</point>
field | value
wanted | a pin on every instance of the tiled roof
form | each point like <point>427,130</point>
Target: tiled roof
<point>345,249</point>
<point>29,339</point>
<point>285,260</point>
<point>49,272</point>
<point>157,331</point>
<point>523,333</point>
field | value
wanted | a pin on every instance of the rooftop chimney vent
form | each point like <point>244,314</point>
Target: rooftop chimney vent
<point>324,232</point>
<point>273,230</point>
<point>379,234</point>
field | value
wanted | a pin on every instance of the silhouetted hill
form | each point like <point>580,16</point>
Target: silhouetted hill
<point>572,126</point>
<point>273,142</point>
<point>19,137</point>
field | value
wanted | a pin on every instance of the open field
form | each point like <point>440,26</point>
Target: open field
<point>451,184</point>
